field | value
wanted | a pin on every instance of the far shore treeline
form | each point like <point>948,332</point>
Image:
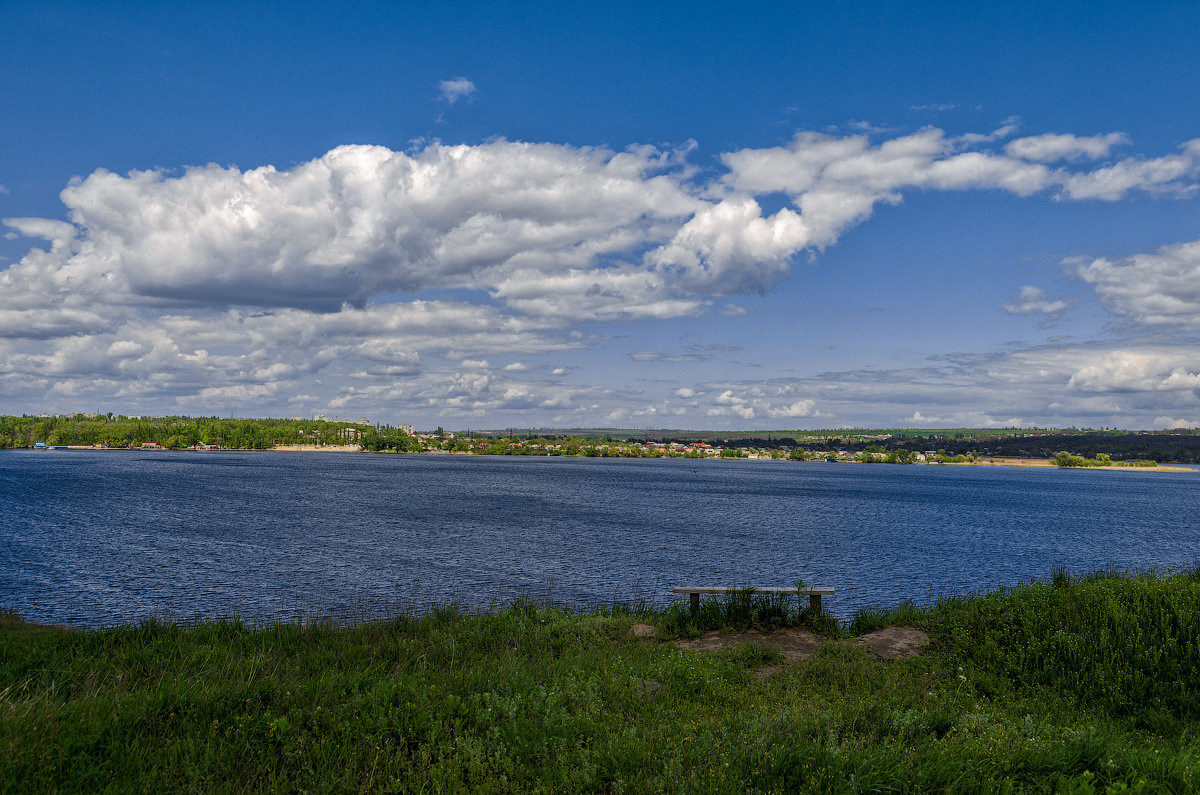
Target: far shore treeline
<point>173,433</point>
<point>1074,446</point>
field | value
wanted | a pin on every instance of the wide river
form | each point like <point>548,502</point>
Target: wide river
<point>101,538</point>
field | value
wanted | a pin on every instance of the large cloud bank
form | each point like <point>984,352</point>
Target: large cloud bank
<point>384,271</point>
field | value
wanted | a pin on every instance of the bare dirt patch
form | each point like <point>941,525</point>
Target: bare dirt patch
<point>890,643</point>
<point>793,644</point>
<point>894,643</point>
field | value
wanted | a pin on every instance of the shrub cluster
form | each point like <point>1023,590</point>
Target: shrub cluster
<point>1127,643</point>
<point>1065,459</point>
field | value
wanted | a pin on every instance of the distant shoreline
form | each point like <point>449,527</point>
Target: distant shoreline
<point>1048,463</point>
<point>1027,463</point>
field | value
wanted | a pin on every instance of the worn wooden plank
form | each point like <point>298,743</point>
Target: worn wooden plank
<point>814,594</point>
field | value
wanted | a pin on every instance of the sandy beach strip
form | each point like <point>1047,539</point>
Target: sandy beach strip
<point>1049,463</point>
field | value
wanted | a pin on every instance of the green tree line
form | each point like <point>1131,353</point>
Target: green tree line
<point>111,430</point>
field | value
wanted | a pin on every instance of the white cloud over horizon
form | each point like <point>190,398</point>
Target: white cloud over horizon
<point>411,279</point>
<point>1114,383</point>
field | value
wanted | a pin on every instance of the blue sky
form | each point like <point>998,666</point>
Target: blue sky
<point>583,215</point>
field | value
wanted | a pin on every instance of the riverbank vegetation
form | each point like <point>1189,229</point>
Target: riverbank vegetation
<point>903,446</point>
<point>1078,684</point>
<point>1066,460</point>
<point>175,433</point>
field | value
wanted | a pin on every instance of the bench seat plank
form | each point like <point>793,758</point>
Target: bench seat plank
<point>814,594</point>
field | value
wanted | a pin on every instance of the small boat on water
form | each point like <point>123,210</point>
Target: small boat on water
<point>44,446</point>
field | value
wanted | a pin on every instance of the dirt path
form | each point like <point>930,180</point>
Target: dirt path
<point>890,643</point>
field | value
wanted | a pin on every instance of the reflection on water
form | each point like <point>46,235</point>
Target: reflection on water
<point>110,537</point>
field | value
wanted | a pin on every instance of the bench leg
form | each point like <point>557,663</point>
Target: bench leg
<point>814,604</point>
<point>694,602</point>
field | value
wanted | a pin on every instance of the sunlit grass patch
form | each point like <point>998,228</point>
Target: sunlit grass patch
<point>1078,684</point>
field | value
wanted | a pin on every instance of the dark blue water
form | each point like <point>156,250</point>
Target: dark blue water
<point>99,538</point>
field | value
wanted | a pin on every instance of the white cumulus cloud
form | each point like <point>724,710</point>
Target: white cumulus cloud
<point>257,284</point>
<point>1136,371</point>
<point>1175,424</point>
<point>547,229</point>
<point>1159,289</point>
<point>1050,148</point>
<point>1033,300</point>
<point>918,418</point>
<point>455,89</point>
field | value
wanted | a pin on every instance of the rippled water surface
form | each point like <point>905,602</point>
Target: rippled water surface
<point>110,537</point>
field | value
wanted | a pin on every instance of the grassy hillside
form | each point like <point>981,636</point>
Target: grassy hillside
<point>1076,685</point>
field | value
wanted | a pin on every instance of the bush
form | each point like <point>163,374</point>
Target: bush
<point>1065,459</point>
<point>1124,642</point>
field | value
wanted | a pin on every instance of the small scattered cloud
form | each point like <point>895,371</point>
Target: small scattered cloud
<point>1051,147</point>
<point>801,408</point>
<point>516,367</point>
<point>751,401</point>
<point>457,88</point>
<point>1007,127</point>
<point>1033,300</point>
<point>648,356</point>
<point>937,107</point>
<point>918,418</point>
<point>1175,424</point>
<point>868,127</point>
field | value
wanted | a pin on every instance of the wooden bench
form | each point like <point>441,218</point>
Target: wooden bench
<point>814,594</point>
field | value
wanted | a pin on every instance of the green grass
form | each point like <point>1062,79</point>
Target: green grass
<point>1080,684</point>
